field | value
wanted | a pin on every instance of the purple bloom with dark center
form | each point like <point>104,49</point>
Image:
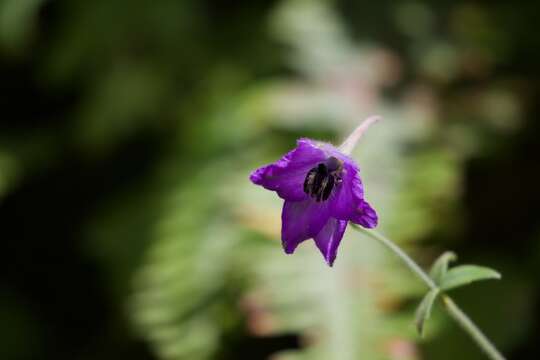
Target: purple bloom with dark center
<point>322,190</point>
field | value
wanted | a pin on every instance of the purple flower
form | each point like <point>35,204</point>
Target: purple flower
<point>322,190</point>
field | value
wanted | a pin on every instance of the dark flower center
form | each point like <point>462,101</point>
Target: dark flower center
<point>321,179</point>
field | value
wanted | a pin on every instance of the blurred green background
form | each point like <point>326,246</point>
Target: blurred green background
<point>128,129</point>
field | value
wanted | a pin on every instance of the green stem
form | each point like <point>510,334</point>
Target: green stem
<point>471,328</point>
<point>455,312</point>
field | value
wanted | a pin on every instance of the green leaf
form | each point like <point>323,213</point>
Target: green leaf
<point>423,311</point>
<point>466,274</point>
<point>440,266</point>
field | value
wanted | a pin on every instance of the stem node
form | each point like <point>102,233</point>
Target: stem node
<point>455,312</point>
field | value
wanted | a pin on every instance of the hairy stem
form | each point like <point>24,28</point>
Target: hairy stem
<point>455,312</point>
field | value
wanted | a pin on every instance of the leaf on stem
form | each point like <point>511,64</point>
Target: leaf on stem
<point>423,311</point>
<point>466,274</point>
<point>440,266</point>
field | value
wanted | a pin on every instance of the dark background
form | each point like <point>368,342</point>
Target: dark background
<point>106,103</point>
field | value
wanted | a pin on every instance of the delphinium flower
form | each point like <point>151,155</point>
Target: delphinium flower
<point>322,189</point>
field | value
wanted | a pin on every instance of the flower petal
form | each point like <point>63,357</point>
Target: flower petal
<point>329,237</point>
<point>287,175</point>
<point>349,195</point>
<point>365,215</point>
<point>302,220</point>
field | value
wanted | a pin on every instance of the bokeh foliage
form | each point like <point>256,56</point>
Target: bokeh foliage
<point>129,129</point>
